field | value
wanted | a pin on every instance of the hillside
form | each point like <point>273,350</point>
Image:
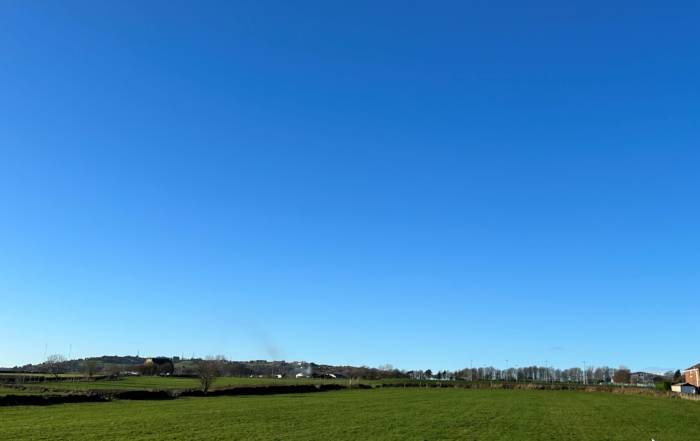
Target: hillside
<point>111,364</point>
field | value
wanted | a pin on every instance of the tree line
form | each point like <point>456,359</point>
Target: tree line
<point>589,375</point>
<point>56,364</point>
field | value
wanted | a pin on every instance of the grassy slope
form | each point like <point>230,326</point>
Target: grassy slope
<point>180,383</point>
<point>165,383</point>
<point>399,414</point>
<point>13,391</point>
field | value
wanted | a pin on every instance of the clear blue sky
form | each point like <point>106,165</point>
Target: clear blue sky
<point>415,183</point>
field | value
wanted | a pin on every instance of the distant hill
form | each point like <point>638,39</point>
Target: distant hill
<point>104,362</point>
<point>110,364</point>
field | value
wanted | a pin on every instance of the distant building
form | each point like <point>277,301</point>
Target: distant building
<point>684,388</point>
<point>643,378</point>
<point>692,375</point>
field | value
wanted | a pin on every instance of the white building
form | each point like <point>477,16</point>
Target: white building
<point>684,388</point>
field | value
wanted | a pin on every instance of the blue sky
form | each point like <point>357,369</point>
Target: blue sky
<point>426,184</point>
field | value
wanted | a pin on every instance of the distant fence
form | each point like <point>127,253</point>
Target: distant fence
<point>45,400</point>
<point>33,379</point>
<point>101,396</point>
<point>630,390</point>
<point>106,395</point>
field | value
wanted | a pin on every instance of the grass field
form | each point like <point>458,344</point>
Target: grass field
<point>15,391</point>
<point>162,383</point>
<point>386,414</point>
<point>174,383</point>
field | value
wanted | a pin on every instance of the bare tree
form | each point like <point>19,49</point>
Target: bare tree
<point>115,370</point>
<point>622,375</point>
<point>90,367</point>
<point>208,370</point>
<point>55,364</point>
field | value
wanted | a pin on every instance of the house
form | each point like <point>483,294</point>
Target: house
<point>692,375</point>
<point>684,388</point>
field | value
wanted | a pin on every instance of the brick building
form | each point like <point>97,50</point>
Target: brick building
<point>692,375</point>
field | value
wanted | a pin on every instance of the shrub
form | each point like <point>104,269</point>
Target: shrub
<point>663,385</point>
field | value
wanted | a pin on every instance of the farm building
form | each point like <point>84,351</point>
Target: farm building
<point>684,388</point>
<point>327,375</point>
<point>643,378</point>
<point>692,375</point>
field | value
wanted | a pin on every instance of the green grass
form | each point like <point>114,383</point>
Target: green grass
<point>23,374</point>
<point>168,383</point>
<point>386,414</point>
<point>181,383</point>
<point>16,391</point>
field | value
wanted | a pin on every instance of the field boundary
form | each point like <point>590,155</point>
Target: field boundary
<point>160,394</point>
<point>105,396</point>
<point>626,390</point>
<point>46,400</point>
